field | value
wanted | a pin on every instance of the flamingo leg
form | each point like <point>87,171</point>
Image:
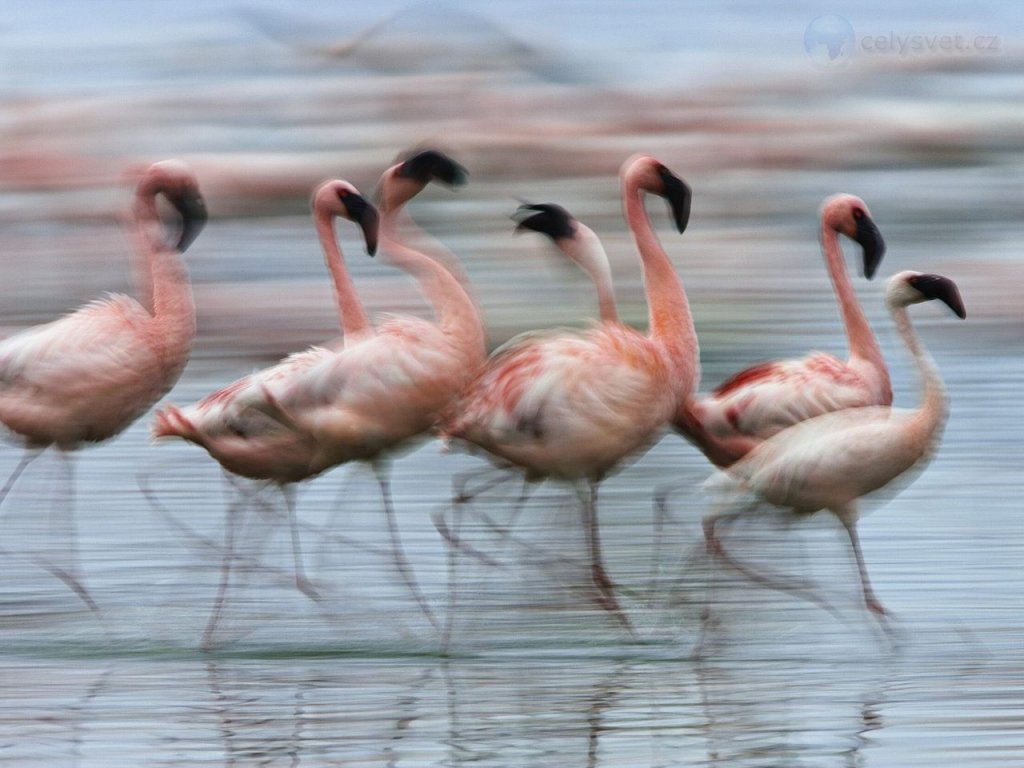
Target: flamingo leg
<point>495,476</point>
<point>452,535</point>
<point>460,497</point>
<point>605,586</point>
<point>848,517</point>
<point>715,548</point>
<point>234,511</point>
<point>237,506</point>
<point>304,585</point>
<point>29,455</point>
<point>69,575</point>
<point>517,509</point>
<point>380,469</point>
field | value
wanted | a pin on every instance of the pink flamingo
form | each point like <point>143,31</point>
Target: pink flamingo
<point>573,406</point>
<point>582,245</point>
<point>760,401</point>
<point>832,460</point>
<point>388,387</point>
<point>243,440</point>
<point>85,377</point>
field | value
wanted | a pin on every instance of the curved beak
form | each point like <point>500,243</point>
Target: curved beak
<point>192,209</point>
<point>870,240</point>
<point>366,216</point>
<point>943,289</point>
<point>547,218</point>
<point>431,165</point>
<point>679,196</point>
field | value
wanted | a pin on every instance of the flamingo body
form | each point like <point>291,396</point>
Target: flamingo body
<point>764,399</point>
<point>378,394</point>
<point>833,460</point>
<point>568,404</point>
<point>758,402</point>
<point>85,377</point>
<point>243,439</point>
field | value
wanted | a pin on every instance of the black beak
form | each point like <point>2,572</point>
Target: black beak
<point>431,165</point>
<point>366,216</point>
<point>547,218</point>
<point>678,194</point>
<point>192,209</point>
<point>870,240</point>
<point>941,288</point>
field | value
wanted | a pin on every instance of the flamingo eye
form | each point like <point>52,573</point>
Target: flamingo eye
<point>858,214</point>
<point>342,194</point>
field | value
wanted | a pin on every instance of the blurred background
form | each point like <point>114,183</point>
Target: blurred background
<point>765,110</point>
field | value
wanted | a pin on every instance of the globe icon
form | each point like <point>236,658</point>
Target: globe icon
<point>829,41</point>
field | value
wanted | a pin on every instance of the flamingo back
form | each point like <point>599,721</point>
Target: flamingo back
<point>567,404</point>
<point>767,398</point>
<point>378,393</point>
<point>86,376</point>
<point>233,426</point>
<point>835,458</point>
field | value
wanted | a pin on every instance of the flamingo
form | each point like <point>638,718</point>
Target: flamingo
<point>87,376</point>
<point>388,387</point>
<point>577,241</point>
<point>582,245</point>
<point>574,405</point>
<point>832,460</point>
<point>244,441</point>
<point>758,402</point>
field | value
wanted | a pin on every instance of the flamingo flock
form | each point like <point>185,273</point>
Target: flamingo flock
<point>572,406</point>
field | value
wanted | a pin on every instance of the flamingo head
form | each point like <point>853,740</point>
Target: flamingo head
<point>908,288</point>
<point>177,183</point>
<point>573,238</point>
<point>403,181</point>
<point>432,165</point>
<point>645,172</point>
<point>340,198</point>
<point>849,215</point>
<point>547,218</point>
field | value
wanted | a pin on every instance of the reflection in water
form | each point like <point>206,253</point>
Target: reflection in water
<point>791,714</point>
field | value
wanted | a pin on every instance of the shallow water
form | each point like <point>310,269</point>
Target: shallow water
<point>537,675</point>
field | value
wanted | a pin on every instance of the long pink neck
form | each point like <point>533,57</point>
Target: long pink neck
<point>860,338</point>
<point>669,317</point>
<point>354,323</point>
<point>162,283</point>
<point>455,310</point>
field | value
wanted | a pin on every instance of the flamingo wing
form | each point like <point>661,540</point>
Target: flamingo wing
<point>83,377</point>
<point>377,392</point>
<point>829,460</point>
<point>767,398</point>
<point>566,403</point>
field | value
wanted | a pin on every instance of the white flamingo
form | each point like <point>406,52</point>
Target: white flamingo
<point>832,460</point>
<point>577,241</point>
<point>758,402</point>
<point>85,377</point>
<point>573,406</point>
